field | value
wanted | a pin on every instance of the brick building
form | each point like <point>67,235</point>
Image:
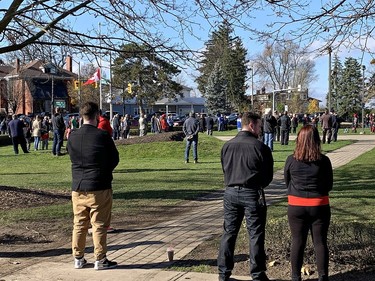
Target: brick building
<point>35,87</point>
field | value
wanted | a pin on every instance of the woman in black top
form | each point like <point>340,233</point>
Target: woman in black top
<point>308,178</point>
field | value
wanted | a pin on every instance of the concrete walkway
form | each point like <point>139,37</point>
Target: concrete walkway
<point>141,253</point>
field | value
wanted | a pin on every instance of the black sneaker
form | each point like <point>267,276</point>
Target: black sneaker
<point>104,264</point>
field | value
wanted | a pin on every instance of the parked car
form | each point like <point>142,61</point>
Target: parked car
<point>232,118</point>
<point>68,116</point>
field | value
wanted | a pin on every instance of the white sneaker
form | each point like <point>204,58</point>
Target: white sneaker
<point>79,263</point>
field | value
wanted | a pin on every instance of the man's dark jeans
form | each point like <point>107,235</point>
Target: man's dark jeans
<point>19,140</point>
<point>240,202</point>
<point>58,138</point>
<point>327,132</point>
<point>189,142</point>
<point>284,137</point>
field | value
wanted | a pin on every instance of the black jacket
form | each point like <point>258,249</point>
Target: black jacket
<point>94,156</point>
<point>247,161</point>
<point>58,122</point>
<point>15,128</point>
<point>209,123</point>
<point>269,123</point>
<point>284,122</point>
<point>308,179</point>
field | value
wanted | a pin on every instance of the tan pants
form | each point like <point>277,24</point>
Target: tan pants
<point>94,207</point>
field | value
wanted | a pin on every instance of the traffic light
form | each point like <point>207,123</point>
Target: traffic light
<point>76,84</point>
<point>96,85</point>
<point>129,88</point>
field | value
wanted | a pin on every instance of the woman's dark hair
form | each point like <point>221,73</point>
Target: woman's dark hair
<point>308,147</point>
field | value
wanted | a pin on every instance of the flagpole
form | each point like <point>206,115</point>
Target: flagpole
<point>110,85</point>
<point>100,69</point>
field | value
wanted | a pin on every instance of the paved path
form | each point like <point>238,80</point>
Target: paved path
<point>141,253</point>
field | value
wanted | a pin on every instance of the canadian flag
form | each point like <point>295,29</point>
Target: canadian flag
<point>94,78</point>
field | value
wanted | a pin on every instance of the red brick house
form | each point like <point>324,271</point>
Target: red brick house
<point>35,87</point>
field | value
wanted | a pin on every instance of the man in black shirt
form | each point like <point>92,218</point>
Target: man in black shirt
<point>284,128</point>
<point>248,168</point>
<point>94,156</point>
<point>58,127</point>
<point>209,124</point>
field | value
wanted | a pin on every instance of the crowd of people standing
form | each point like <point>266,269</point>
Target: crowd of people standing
<point>279,126</point>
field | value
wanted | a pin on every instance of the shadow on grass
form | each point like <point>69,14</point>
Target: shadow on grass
<point>36,192</point>
<point>183,194</point>
<point>145,170</point>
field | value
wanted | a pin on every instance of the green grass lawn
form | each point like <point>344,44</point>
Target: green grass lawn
<point>152,175</point>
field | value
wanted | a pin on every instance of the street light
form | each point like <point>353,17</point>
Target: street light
<point>363,98</point>
<point>329,77</point>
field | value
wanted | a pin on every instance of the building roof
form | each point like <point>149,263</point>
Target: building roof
<point>39,69</point>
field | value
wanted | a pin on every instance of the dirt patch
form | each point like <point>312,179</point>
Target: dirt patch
<point>162,137</point>
<point>15,198</point>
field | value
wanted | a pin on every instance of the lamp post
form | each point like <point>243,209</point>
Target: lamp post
<point>329,77</point>
<point>79,84</point>
<point>363,99</point>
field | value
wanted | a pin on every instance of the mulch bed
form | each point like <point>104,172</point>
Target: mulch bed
<point>162,137</point>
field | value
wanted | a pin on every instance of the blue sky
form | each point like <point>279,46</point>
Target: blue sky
<point>202,30</point>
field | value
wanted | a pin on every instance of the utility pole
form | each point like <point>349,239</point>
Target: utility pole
<point>52,97</point>
<point>329,77</point>
<point>79,84</point>
<point>363,98</point>
<point>252,88</point>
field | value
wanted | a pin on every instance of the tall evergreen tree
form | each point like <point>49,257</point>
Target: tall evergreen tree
<point>349,88</point>
<point>216,90</point>
<point>336,86</point>
<point>229,53</point>
<point>151,77</point>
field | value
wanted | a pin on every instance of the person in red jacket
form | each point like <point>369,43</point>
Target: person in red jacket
<point>104,124</point>
<point>163,123</point>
